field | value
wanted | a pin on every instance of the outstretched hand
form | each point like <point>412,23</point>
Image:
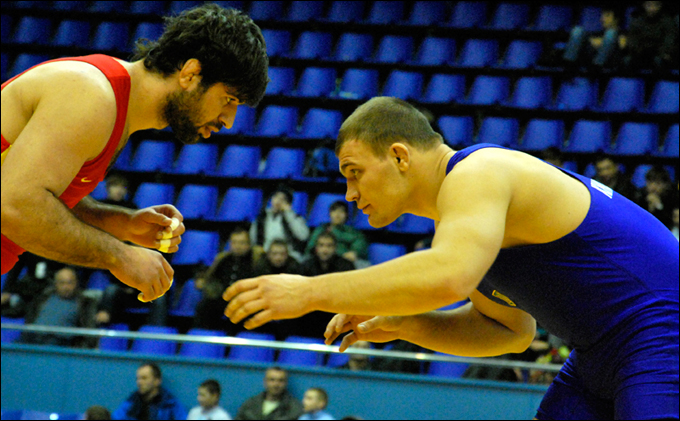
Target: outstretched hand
<point>377,329</point>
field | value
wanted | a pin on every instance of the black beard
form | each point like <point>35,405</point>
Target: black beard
<point>178,111</point>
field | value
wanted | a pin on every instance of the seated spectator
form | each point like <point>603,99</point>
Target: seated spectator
<point>117,191</point>
<point>325,259</point>
<point>151,401</point>
<point>118,298</point>
<point>277,260</point>
<point>359,362</point>
<point>351,243</point>
<point>18,292</point>
<point>674,229</point>
<point>275,403</point>
<point>64,305</point>
<point>658,195</point>
<point>599,49</point>
<point>228,267</point>
<point>552,155</point>
<point>281,221</point>
<point>608,174</point>
<point>315,402</point>
<point>652,39</point>
<point>97,412</point>
<point>208,403</point>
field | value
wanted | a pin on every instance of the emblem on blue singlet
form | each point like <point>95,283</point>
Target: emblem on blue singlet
<point>504,298</point>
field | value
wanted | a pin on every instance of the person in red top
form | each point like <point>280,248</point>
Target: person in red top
<point>65,121</point>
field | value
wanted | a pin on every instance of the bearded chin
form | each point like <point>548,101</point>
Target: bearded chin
<point>177,113</point>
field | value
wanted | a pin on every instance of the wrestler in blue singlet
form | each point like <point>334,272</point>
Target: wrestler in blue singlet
<point>610,290</point>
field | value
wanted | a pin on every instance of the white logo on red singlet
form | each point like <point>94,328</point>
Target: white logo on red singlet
<point>602,188</point>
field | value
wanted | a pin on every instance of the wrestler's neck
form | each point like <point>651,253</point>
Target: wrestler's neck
<point>429,172</point>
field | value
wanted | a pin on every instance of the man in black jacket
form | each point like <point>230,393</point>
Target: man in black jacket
<point>275,403</point>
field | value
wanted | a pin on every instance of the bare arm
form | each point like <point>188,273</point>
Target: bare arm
<point>109,218</point>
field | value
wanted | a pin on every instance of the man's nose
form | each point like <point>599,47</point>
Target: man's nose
<point>229,115</point>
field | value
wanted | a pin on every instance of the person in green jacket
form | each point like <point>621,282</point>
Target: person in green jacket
<point>351,243</point>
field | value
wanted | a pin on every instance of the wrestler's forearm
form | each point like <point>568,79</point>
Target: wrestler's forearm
<point>413,284</point>
<point>464,332</point>
<point>109,218</point>
<point>43,225</point>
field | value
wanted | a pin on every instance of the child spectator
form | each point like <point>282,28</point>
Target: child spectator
<point>208,403</point>
<point>315,402</point>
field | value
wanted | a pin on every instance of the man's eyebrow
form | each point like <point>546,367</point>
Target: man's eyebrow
<point>345,165</point>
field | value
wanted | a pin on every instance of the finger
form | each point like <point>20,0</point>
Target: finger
<point>240,300</point>
<point>330,327</point>
<point>169,211</point>
<point>346,328</point>
<point>259,319</point>
<point>246,310</point>
<point>348,341</point>
<point>371,325</point>
<point>175,229</point>
<point>167,244</point>
<point>239,287</point>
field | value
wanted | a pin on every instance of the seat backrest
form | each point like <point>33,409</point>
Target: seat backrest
<point>489,90</point>
<point>346,11</point>
<point>282,81</point>
<point>153,155</point>
<point>305,11</point>
<point>321,124</point>
<point>404,85</point>
<point>427,13</point>
<point>250,353</point>
<point>316,82</point>
<point>319,214</point>
<point>469,14</point>
<point>576,94</point>
<point>665,97</point>
<point>239,161</point>
<point>436,51</point>
<point>354,47</point>
<point>359,84</point>
<point>457,130</point>
<point>313,45</point>
<point>72,33</point>
<point>203,350</point>
<point>532,92</point>
<point>379,253</point>
<point>636,139</point>
<point>200,158</point>
<point>553,18</point>
<point>277,41</point>
<point>266,10</point>
<point>197,247</point>
<point>386,12</point>
<point>543,134</point>
<point>670,146</point>
<point>509,16</point>
<point>111,36</point>
<point>298,357</point>
<point>394,49</point>
<point>499,131</point>
<point>153,346</point>
<point>522,54</point>
<point>32,30</point>
<point>240,204</point>
<point>277,121</point>
<point>444,89</point>
<point>150,194</point>
<point>284,163</point>
<point>589,136</point>
<point>623,95</point>
<point>478,53</point>
<point>197,201</point>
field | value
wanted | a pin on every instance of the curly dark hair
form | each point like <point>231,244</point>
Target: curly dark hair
<point>227,43</point>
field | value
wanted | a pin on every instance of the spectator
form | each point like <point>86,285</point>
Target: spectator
<point>20,290</point>
<point>658,196</point>
<point>675,222</point>
<point>281,221</point>
<point>552,155</point>
<point>151,401</point>
<point>97,412</point>
<point>599,49</point>
<point>314,403</point>
<point>208,403</point>
<point>359,362</point>
<point>237,263</point>
<point>275,403</point>
<point>64,305</point>
<point>118,298</point>
<point>608,174</point>
<point>277,260</point>
<point>117,191</point>
<point>351,243</point>
<point>652,38</point>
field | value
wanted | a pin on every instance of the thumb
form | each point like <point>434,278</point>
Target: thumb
<point>151,215</point>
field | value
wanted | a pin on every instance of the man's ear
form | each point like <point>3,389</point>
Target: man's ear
<point>401,155</point>
<point>190,74</point>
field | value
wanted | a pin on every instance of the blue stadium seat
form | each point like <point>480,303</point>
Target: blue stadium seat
<point>576,94</point>
<point>300,202</point>
<point>231,4</point>
<point>359,84</point>
<point>478,53</point>
<point>240,205</point>
<point>468,14</point>
<point>277,121</point>
<point>197,202</point>
<point>26,61</point>
<point>108,6</point>
<point>336,360</point>
<point>305,11</point>
<point>154,346</point>
<point>10,335</point>
<point>571,166</point>
<point>316,82</point>
<point>278,42</point>
<point>553,18</point>
<point>99,192</point>
<point>177,7</point>
<point>665,98</point>
<point>543,134</point>
<point>321,124</point>
<point>147,30</point>
<point>282,81</point>
<point>313,45</point>
<point>6,28</point>
<point>386,12</point>
<point>251,353</point>
<point>638,177</point>
<point>244,122</point>
<point>114,344</point>
<point>319,214</point>
<point>111,36</point>
<point>199,158</point>
<point>444,89</point>
<point>148,7</point>
<point>153,155</point>
<point>623,95</point>
<point>510,16</point>
<point>3,278</point>
<point>670,145</point>
<point>11,415</point>
<point>636,139</point>
<point>284,163</point>
<point>488,90</point>
<point>189,298</point>
<point>266,10</point>
<point>203,350</point>
<point>499,131</point>
<point>446,369</point>
<point>151,194</point>
<point>72,33</point>
<point>412,224</point>
<point>436,51</point>
<point>361,222</point>
<point>590,19</point>
<point>123,160</point>
<point>301,358</point>
<point>70,6</point>
<point>31,4</point>
<point>99,280</point>
<point>404,85</point>
<point>521,54</point>
<point>589,136</point>
<point>353,47</point>
<point>379,253</point>
<point>346,11</point>
<point>323,163</point>
<point>590,171</point>
<point>32,30</point>
<point>456,130</point>
<point>239,161</point>
<point>531,92</point>
<point>427,13</point>
<point>394,49</point>
<point>197,247</point>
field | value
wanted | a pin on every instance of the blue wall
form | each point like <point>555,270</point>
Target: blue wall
<point>63,380</point>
